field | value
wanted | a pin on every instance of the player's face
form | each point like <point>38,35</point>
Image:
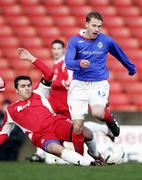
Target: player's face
<point>24,89</point>
<point>57,51</point>
<point>93,28</point>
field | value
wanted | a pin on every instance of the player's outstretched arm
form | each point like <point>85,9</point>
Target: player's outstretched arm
<point>27,56</point>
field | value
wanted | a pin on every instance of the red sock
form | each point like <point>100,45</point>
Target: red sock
<point>107,116</point>
<point>78,142</point>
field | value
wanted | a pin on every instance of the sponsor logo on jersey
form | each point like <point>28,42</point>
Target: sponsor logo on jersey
<point>91,52</point>
<point>20,108</point>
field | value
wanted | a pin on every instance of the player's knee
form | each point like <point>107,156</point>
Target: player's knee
<point>78,126</point>
<point>98,113</point>
<point>55,149</point>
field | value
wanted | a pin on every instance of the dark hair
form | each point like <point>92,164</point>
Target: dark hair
<point>58,41</point>
<point>22,77</point>
<point>95,15</point>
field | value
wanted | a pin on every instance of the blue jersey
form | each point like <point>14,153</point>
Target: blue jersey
<point>95,51</point>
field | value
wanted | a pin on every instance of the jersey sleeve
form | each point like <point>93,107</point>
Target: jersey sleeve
<point>70,57</point>
<point>42,90</point>
<point>46,71</point>
<point>6,128</point>
<point>118,53</point>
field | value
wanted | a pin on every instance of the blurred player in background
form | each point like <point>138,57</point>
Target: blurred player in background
<point>86,56</point>
<point>35,116</point>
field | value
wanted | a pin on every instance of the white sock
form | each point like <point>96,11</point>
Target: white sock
<point>97,127</point>
<point>75,158</point>
<point>92,147</point>
<point>52,159</point>
<point>40,152</point>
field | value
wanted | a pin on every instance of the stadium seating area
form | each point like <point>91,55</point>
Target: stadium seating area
<point>33,24</point>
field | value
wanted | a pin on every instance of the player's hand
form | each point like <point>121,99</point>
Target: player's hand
<point>131,73</point>
<point>84,63</point>
<point>26,55</point>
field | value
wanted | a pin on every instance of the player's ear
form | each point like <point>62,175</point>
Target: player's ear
<point>86,25</point>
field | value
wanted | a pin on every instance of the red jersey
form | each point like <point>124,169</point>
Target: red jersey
<point>59,89</point>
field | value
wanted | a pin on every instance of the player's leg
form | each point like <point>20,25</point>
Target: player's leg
<point>67,155</point>
<point>78,107</point>
<point>90,141</point>
<point>98,101</point>
<point>95,127</point>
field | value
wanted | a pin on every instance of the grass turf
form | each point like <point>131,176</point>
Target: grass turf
<point>41,171</point>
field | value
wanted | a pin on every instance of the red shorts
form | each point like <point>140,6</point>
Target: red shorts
<point>55,128</point>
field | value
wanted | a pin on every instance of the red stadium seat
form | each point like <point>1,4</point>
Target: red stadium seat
<point>35,10</point>
<point>10,53</point>
<point>2,20</point>
<point>81,10</point>
<point>7,74</point>
<point>137,32</point>
<point>136,99</point>
<point>42,21</point>
<point>48,32</point>
<point>133,21</point>
<point>129,11</point>
<point>7,2</point>
<point>13,10</point>
<point>134,53</point>
<point>123,76</point>
<point>43,53</point>
<point>65,21</point>
<point>3,63</point>
<point>118,99</point>
<point>53,2</point>
<point>27,31</point>
<point>115,21</point>
<point>100,2</point>
<point>31,42</point>
<point>75,2</point>
<point>122,2</point>
<point>138,3</point>
<point>19,64</point>
<point>115,87</point>
<point>114,65</point>
<point>128,43</point>
<point>31,2</point>
<point>56,11</point>
<point>125,108</point>
<point>1,53</point>
<point>122,32</point>
<point>35,75</point>
<point>5,31</point>
<point>69,31</point>
<point>18,20</point>
<point>135,88</point>
<point>48,40</point>
<point>106,11</point>
<point>9,42</point>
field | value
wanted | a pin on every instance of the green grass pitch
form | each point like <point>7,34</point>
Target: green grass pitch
<point>42,171</point>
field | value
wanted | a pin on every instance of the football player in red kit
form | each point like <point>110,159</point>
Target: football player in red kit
<point>60,81</point>
<point>35,116</point>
